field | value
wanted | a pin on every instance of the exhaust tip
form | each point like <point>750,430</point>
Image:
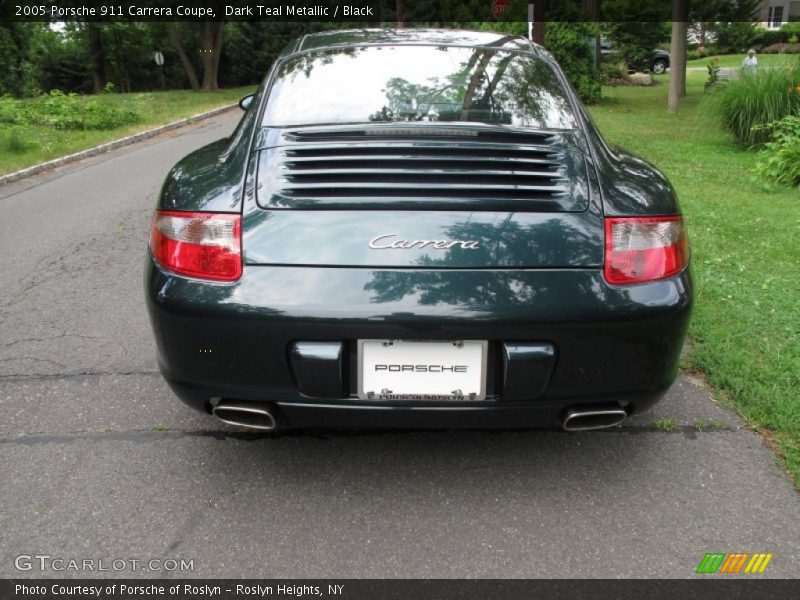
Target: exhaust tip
<point>590,419</point>
<point>245,415</point>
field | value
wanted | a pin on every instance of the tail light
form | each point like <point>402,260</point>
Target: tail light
<point>640,249</point>
<point>196,244</point>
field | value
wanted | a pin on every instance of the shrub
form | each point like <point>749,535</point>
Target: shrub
<point>695,54</point>
<point>8,110</point>
<point>713,73</point>
<point>635,27</point>
<point>701,52</point>
<point>792,27</point>
<point>570,44</point>
<point>736,37</point>
<point>781,49</point>
<point>613,70</point>
<point>14,140</point>
<point>780,160</point>
<point>747,104</point>
<point>65,111</point>
<point>767,37</point>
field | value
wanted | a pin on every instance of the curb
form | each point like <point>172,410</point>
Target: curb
<point>142,135</point>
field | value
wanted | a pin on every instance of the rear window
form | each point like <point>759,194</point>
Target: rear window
<point>383,84</point>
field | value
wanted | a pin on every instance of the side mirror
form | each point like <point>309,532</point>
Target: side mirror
<point>245,102</point>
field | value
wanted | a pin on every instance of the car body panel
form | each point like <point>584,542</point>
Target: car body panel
<point>622,342</point>
<point>212,178</point>
<point>502,239</point>
<point>629,184</point>
<point>533,286</point>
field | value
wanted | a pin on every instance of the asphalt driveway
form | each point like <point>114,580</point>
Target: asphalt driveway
<point>99,461</point>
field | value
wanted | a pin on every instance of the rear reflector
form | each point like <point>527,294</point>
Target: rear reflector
<point>640,249</point>
<point>195,244</point>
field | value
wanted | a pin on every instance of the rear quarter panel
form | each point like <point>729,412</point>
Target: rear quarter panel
<point>212,178</point>
<point>629,185</point>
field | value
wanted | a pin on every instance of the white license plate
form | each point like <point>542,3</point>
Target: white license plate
<point>437,371</point>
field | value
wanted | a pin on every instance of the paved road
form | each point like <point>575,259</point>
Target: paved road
<point>88,473</point>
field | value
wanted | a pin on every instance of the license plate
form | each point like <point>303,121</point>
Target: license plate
<point>437,371</point>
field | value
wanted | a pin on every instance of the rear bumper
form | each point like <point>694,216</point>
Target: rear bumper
<point>613,344</point>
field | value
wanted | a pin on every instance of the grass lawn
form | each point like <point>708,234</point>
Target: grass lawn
<point>746,254</point>
<point>154,108</point>
<point>735,60</point>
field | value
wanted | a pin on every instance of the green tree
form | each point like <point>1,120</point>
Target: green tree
<point>97,55</point>
<point>571,44</point>
<point>211,42</point>
<point>570,40</point>
<point>635,27</point>
<point>15,49</point>
<point>178,38</point>
<point>60,58</point>
<point>251,47</point>
<point>736,36</point>
<point>723,11</point>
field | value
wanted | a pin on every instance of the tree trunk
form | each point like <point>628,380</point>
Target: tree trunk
<point>592,10</point>
<point>401,13</point>
<point>122,64</point>
<point>538,22</point>
<point>211,47</point>
<point>175,39</point>
<point>98,56</point>
<point>677,54</point>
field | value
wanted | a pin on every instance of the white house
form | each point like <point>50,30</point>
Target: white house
<point>774,13</point>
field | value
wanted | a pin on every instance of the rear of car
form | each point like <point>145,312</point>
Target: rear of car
<point>419,234</point>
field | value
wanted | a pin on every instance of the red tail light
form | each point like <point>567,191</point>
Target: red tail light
<point>640,249</point>
<point>195,244</point>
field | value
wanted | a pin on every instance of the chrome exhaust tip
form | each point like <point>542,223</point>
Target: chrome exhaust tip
<point>245,415</point>
<point>590,419</point>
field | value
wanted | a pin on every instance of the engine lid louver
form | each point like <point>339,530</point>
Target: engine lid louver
<point>423,167</point>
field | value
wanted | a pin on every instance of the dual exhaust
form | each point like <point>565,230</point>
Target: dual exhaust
<point>244,414</point>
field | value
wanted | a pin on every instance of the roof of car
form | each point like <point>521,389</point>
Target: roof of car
<point>432,37</point>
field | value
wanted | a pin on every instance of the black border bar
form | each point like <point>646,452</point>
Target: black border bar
<point>705,587</point>
<point>366,13</point>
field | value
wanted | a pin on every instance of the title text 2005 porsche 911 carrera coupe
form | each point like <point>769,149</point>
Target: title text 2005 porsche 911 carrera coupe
<point>417,228</point>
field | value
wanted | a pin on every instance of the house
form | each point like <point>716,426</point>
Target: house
<point>774,13</point>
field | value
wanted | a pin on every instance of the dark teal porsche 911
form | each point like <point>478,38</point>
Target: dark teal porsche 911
<point>417,228</point>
